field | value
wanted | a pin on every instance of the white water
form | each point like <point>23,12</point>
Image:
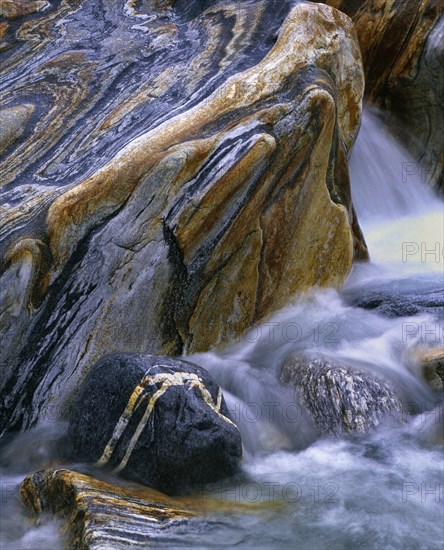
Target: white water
<point>386,489</point>
<point>379,491</point>
<point>402,220</point>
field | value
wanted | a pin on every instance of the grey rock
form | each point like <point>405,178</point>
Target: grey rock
<point>340,400</point>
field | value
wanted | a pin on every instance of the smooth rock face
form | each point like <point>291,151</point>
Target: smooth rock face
<point>341,400</point>
<point>99,515</point>
<point>402,44</point>
<point>182,177</point>
<point>155,420</point>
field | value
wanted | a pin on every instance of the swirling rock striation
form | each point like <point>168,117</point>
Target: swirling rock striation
<point>182,174</point>
<point>96,514</point>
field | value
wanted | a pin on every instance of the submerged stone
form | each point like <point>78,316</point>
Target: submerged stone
<point>155,420</point>
<point>340,400</point>
<point>395,303</point>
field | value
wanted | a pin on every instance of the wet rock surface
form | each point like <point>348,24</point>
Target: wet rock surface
<point>183,173</point>
<point>341,400</point>
<point>401,303</point>
<point>157,421</point>
<point>99,515</point>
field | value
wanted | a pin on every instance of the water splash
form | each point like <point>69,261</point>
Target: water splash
<point>402,219</point>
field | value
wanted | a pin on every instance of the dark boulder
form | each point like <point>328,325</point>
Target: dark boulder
<point>156,420</point>
<point>340,400</point>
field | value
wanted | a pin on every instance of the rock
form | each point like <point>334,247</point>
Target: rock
<point>402,46</point>
<point>155,420</point>
<point>100,515</point>
<point>341,400</point>
<point>398,303</point>
<point>13,123</point>
<point>432,363</point>
<point>186,175</point>
<point>11,9</point>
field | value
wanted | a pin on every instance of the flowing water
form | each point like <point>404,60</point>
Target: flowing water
<point>379,491</point>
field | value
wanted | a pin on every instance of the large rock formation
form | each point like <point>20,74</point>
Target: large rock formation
<point>155,420</point>
<point>402,44</point>
<point>172,176</point>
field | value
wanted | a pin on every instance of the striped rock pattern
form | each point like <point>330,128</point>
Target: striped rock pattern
<point>100,515</point>
<point>171,174</point>
<point>155,420</point>
<point>402,45</point>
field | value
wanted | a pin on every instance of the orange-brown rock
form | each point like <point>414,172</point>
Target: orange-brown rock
<point>96,514</point>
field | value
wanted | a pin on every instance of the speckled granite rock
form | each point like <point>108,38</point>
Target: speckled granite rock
<point>183,174</point>
<point>341,400</point>
<point>402,44</point>
<point>99,515</point>
<point>157,421</point>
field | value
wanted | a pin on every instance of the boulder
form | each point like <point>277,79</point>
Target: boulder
<point>155,420</point>
<point>185,174</point>
<point>13,122</point>
<point>340,399</point>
